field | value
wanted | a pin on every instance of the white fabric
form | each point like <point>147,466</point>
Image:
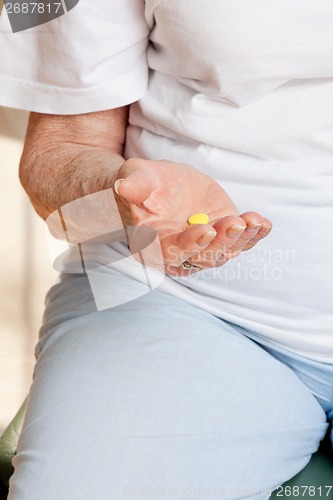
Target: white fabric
<point>241,90</point>
<point>92,58</point>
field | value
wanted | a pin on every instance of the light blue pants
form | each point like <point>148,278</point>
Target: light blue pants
<point>156,398</point>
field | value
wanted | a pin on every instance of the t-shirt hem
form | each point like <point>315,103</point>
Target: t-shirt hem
<point>42,98</point>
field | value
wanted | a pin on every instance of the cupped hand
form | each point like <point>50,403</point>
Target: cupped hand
<point>162,195</point>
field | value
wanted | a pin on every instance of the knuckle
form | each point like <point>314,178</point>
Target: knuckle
<point>230,253</point>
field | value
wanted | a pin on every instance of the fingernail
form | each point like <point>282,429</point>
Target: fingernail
<point>264,230</point>
<point>253,227</point>
<point>234,231</point>
<point>116,186</point>
<point>206,238</point>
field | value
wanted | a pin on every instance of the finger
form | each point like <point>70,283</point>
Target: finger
<point>180,246</point>
<point>262,233</point>
<point>232,236</point>
<point>254,223</point>
<point>228,230</point>
<point>135,181</point>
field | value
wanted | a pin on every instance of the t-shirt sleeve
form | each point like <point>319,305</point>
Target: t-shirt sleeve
<point>92,58</point>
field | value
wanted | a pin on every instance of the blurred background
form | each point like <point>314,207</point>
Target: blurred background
<point>25,271</point>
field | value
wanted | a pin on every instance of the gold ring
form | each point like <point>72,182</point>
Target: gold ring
<point>186,265</point>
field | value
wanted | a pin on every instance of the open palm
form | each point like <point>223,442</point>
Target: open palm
<point>163,194</point>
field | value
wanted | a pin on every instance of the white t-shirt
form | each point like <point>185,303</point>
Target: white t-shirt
<point>242,90</point>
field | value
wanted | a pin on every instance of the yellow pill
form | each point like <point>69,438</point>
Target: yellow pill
<point>198,219</point>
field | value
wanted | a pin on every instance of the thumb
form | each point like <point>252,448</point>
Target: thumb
<point>137,185</point>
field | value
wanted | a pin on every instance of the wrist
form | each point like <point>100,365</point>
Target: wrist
<point>65,173</point>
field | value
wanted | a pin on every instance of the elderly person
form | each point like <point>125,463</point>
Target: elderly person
<point>219,381</point>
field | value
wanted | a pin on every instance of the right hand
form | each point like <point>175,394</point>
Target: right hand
<point>163,194</point>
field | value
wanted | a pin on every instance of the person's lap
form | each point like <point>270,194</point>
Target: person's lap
<point>156,397</point>
<point>318,377</point>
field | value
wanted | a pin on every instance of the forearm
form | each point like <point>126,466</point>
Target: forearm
<point>67,157</point>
